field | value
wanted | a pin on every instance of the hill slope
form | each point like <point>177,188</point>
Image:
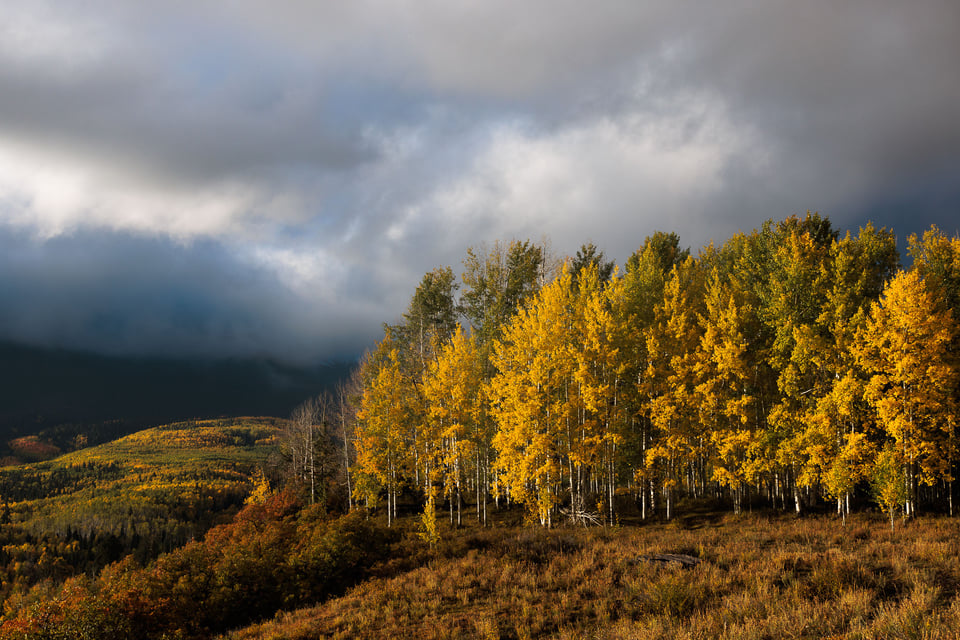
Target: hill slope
<point>144,494</point>
<point>63,393</point>
<point>759,576</point>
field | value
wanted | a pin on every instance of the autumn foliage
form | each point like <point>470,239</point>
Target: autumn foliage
<point>275,555</point>
<point>778,367</point>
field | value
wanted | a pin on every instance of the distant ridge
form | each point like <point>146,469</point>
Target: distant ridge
<point>53,390</point>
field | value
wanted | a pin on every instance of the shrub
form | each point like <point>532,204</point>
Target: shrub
<point>273,555</point>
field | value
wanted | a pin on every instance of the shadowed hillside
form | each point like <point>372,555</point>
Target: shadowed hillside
<point>62,394</point>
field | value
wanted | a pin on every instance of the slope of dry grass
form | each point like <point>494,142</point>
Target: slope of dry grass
<point>760,577</point>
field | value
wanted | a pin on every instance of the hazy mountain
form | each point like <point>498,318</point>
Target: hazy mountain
<point>59,391</point>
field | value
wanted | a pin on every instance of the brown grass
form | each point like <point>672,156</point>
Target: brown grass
<point>760,577</point>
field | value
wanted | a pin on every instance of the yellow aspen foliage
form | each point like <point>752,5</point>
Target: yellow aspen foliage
<point>724,384</point>
<point>795,300</point>
<point>889,481</point>
<point>429,532</point>
<point>839,421</point>
<point>261,488</point>
<point>852,463</point>
<point>384,412</point>
<point>530,392</point>
<point>672,343</point>
<point>456,409</point>
<point>632,300</point>
<point>904,346</point>
<point>601,418</point>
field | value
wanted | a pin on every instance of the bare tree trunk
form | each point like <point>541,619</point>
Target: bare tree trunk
<point>301,443</point>
<point>653,498</point>
<point>486,481</point>
<point>643,502</point>
<point>342,406</point>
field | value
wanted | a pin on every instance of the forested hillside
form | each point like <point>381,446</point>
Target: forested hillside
<point>142,495</point>
<point>788,366</point>
<point>58,394</point>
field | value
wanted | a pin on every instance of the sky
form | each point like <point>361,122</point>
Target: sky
<point>273,179</point>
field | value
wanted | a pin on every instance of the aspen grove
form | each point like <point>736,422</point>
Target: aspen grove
<point>788,367</point>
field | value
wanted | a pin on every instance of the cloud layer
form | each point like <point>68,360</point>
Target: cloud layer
<point>242,179</point>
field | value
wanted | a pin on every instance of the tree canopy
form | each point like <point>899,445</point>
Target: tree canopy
<point>791,364</point>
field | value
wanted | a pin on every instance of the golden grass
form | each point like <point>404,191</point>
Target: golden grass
<point>760,577</point>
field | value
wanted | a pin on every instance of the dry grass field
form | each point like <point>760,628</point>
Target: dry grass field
<point>760,576</point>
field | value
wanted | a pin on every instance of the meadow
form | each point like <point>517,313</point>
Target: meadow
<point>761,575</point>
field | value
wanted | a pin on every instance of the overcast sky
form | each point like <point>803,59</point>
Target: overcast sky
<point>273,178</point>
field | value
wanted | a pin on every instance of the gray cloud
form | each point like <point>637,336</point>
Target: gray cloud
<point>328,154</point>
<point>127,295</point>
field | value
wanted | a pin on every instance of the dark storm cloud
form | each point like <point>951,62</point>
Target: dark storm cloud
<point>327,154</point>
<point>857,96</point>
<point>125,295</point>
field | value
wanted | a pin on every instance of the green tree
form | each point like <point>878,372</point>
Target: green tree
<point>498,282</point>
<point>889,482</point>
<point>589,255</point>
<point>633,300</point>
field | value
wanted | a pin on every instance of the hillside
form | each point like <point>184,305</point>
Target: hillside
<point>61,393</point>
<point>144,494</point>
<point>759,576</point>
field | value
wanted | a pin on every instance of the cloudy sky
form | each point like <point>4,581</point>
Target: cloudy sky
<point>273,178</point>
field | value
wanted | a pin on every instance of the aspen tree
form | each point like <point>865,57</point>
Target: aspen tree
<point>633,300</point>
<point>300,443</point>
<point>453,390</point>
<point>532,400</point>
<point>744,267</point>
<point>937,259</point>
<point>794,303</point>
<point>672,341</point>
<point>724,386</point>
<point>855,273</point>
<point>385,409</point>
<point>904,346</point>
<point>599,371</point>
<point>428,324</point>
<point>497,282</point>
<point>889,481</point>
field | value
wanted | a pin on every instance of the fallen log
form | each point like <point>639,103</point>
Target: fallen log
<point>582,517</point>
<point>680,559</point>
